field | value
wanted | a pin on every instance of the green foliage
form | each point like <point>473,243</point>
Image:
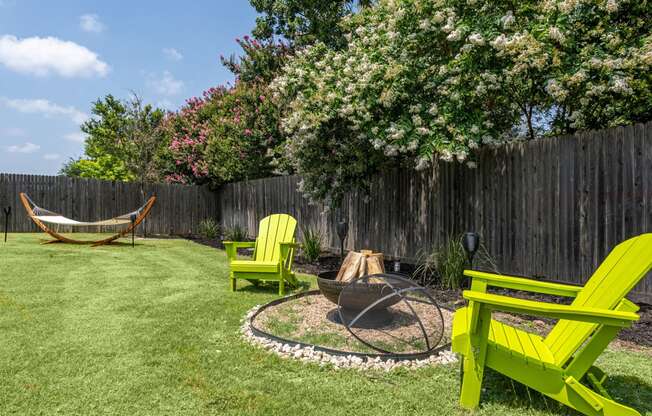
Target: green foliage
<point>235,233</point>
<point>303,22</point>
<point>311,245</point>
<point>420,80</point>
<point>259,61</point>
<point>209,228</point>
<point>123,141</point>
<point>228,135</point>
<point>104,167</point>
<point>445,263</point>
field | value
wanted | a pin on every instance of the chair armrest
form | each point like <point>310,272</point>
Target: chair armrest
<point>231,247</point>
<point>552,310</point>
<point>285,249</point>
<point>520,283</point>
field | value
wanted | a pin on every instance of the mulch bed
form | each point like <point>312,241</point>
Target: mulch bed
<point>637,338</point>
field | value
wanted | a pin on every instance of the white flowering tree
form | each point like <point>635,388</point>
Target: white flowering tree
<point>428,79</point>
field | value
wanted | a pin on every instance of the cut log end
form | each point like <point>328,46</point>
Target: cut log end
<point>358,264</point>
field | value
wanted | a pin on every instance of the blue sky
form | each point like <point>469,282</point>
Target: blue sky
<point>57,57</point>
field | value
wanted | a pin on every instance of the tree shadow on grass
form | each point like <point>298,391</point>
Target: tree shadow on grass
<point>89,244</point>
<point>627,390</point>
<point>270,287</point>
<point>631,391</point>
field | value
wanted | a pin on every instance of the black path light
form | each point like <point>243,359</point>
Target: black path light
<point>133,229</point>
<point>471,244</point>
<point>7,212</point>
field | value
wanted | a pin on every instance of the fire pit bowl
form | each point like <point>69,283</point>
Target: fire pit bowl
<point>366,293</point>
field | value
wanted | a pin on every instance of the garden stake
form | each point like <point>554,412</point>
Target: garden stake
<point>7,214</point>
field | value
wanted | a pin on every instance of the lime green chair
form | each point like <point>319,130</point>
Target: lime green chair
<point>273,253</point>
<point>561,364</point>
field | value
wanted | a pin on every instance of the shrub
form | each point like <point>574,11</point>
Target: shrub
<point>446,262</point>
<point>421,80</point>
<point>209,228</point>
<point>312,240</point>
<point>235,233</point>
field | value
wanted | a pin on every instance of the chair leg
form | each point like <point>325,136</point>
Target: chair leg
<point>281,286</point>
<point>474,360</point>
<point>232,279</point>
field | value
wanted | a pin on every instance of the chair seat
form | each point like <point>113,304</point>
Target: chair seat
<point>503,338</point>
<point>255,266</point>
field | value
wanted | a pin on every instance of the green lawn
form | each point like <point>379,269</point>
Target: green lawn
<point>154,330</point>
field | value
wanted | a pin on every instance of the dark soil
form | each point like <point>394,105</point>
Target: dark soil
<point>638,337</point>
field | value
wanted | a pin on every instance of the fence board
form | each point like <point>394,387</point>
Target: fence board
<point>550,208</point>
<point>178,209</point>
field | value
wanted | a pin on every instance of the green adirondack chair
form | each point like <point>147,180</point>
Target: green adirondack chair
<point>273,253</point>
<point>561,364</point>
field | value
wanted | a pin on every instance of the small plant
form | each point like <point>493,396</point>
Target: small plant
<point>446,262</point>
<point>209,228</point>
<point>312,240</point>
<point>235,233</point>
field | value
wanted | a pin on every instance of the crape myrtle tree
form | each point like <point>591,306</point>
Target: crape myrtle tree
<point>228,134</point>
<point>233,132</point>
<point>421,80</point>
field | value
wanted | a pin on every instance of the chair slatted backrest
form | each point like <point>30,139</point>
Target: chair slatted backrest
<point>623,268</point>
<point>275,229</point>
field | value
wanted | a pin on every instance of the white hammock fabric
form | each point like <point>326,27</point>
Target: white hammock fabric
<point>50,217</point>
<point>61,220</point>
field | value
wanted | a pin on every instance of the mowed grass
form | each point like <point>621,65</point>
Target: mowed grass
<point>153,330</point>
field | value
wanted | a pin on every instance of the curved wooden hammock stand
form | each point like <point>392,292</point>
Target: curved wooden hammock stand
<point>142,214</point>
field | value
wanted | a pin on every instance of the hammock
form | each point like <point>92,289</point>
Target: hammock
<point>42,216</point>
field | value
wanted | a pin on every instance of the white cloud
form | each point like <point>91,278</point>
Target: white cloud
<point>23,148</point>
<point>43,56</point>
<point>51,156</point>
<point>91,23</point>
<point>165,84</point>
<point>78,137</point>
<point>12,132</point>
<point>172,54</point>
<point>46,108</point>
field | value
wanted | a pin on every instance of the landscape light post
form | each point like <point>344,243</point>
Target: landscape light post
<point>7,212</point>
<point>133,230</point>
<point>471,244</point>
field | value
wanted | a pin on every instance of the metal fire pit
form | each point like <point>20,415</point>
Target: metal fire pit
<point>366,293</point>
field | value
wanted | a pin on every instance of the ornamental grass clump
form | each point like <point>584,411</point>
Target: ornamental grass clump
<point>235,233</point>
<point>312,243</point>
<point>209,228</point>
<point>443,264</point>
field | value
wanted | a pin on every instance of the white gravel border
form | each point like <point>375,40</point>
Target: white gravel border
<point>309,354</point>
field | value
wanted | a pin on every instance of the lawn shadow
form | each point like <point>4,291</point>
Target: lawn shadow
<point>54,243</point>
<point>630,391</point>
<point>267,287</point>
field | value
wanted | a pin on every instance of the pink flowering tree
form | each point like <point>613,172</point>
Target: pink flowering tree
<point>226,135</point>
<point>189,129</point>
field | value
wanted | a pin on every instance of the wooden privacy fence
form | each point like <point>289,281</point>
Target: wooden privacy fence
<point>178,209</point>
<point>550,208</point>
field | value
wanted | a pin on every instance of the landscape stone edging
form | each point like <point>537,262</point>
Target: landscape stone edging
<point>309,354</point>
